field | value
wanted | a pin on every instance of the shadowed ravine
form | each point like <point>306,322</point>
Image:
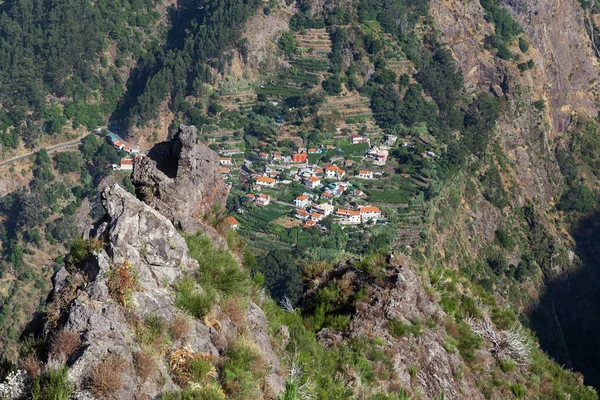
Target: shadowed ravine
<point>567,318</point>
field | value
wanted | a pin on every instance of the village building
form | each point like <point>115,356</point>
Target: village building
<point>263,200</point>
<point>378,156</point>
<point>302,214</point>
<point>299,157</point>
<point>348,163</point>
<point>348,217</point>
<point>126,164</point>
<point>333,171</point>
<point>225,161</point>
<point>313,150</point>
<point>328,196</point>
<point>309,223</point>
<point>250,196</point>
<point>317,217</point>
<point>356,139</point>
<point>225,172</point>
<point>232,222</point>
<point>313,182</point>
<point>302,201</point>
<point>325,209</point>
<point>265,181</point>
<point>369,212</point>
<point>118,145</point>
<point>365,174</point>
<point>358,192</point>
<point>390,140</point>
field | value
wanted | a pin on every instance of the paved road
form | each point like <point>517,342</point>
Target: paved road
<point>48,149</point>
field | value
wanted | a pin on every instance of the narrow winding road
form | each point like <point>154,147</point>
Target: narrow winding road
<point>48,149</point>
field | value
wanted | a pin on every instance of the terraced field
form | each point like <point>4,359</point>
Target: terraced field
<point>314,42</point>
<point>242,101</point>
<point>397,61</point>
<point>349,109</point>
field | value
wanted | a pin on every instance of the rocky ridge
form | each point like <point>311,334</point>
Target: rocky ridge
<point>181,179</point>
<point>136,234</point>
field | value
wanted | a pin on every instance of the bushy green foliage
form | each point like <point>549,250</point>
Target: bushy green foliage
<point>287,43</point>
<point>219,270</point>
<point>68,161</point>
<point>332,85</point>
<point>506,28</point>
<point>578,198</point>
<point>192,300</point>
<point>241,374</point>
<point>283,275</point>
<point>505,239</point>
<point>52,386</point>
<point>493,189</point>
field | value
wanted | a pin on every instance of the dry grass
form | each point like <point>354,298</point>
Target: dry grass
<point>180,327</point>
<point>122,282</point>
<point>188,366</point>
<point>63,344</point>
<point>145,365</point>
<point>31,365</point>
<point>233,309</point>
<point>107,377</point>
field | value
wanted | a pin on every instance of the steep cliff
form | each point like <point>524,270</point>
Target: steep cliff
<point>559,297</point>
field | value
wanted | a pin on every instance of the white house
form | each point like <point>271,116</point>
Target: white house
<point>225,161</point>
<point>325,209</point>
<point>263,200</point>
<point>313,182</point>
<point>317,217</point>
<point>369,212</point>
<point>232,222</point>
<point>302,214</point>
<point>126,164</point>
<point>356,139</point>
<point>365,174</point>
<point>265,181</point>
<point>333,171</point>
<point>348,217</point>
<point>302,201</point>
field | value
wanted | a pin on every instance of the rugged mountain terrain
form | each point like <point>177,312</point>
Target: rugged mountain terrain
<point>502,256</point>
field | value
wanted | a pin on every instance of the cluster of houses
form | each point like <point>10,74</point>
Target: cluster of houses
<point>312,215</point>
<point>126,163</point>
<point>259,199</point>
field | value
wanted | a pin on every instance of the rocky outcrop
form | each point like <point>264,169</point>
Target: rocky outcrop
<point>136,234</point>
<point>422,361</point>
<point>181,179</point>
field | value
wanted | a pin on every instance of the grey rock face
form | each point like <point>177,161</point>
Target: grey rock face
<point>181,179</point>
<point>138,234</point>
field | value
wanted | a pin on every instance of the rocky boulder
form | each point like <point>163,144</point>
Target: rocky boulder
<point>181,179</point>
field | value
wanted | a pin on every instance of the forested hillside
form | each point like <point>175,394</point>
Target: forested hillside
<point>412,185</point>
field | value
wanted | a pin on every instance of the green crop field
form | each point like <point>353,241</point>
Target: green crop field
<point>258,218</point>
<point>282,91</point>
<point>390,196</point>
<point>312,64</point>
<point>350,149</point>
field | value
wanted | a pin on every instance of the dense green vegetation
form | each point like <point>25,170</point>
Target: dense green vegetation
<point>57,50</point>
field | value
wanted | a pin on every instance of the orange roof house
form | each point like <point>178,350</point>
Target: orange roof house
<point>265,181</point>
<point>232,222</point>
<point>299,157</point>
